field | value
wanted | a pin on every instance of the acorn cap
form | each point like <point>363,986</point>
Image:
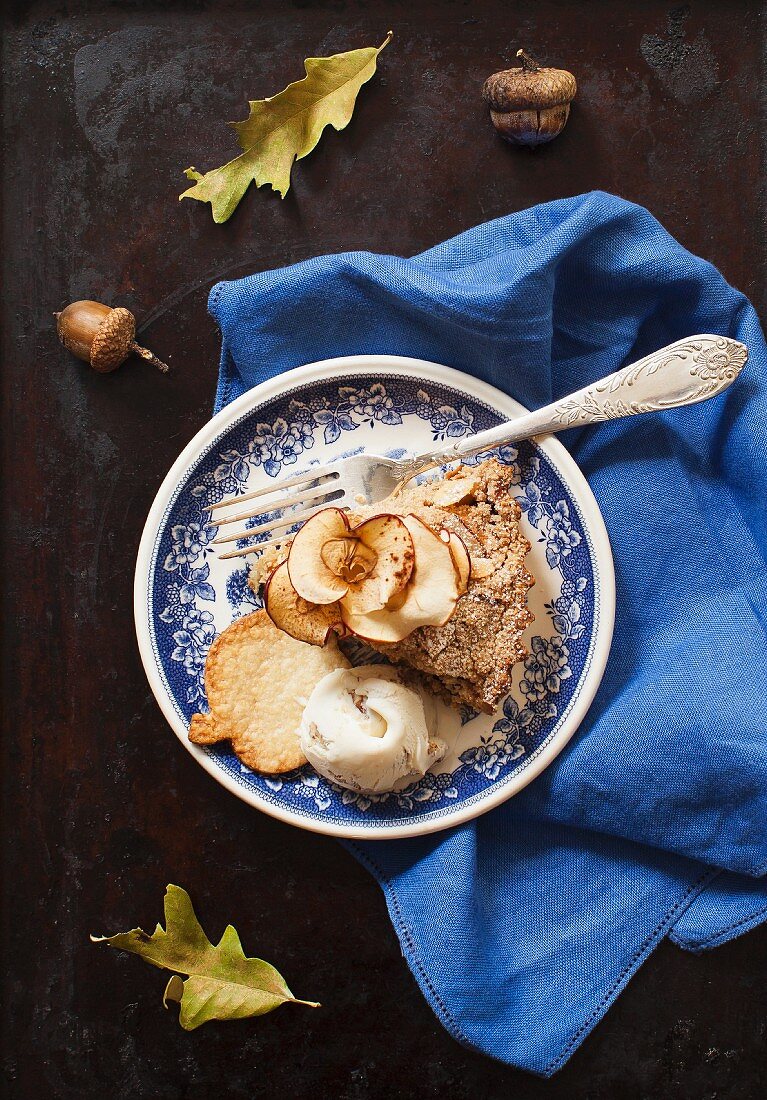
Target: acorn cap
<point>113,340</point>
<point>529,88</point>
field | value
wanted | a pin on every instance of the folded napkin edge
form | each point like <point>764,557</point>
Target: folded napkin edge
<point>722,936</point>
<point>439,1006</point>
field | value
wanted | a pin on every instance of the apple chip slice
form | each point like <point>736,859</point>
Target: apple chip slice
<point>365,565</point>
<point>460,555</point>
<point>428,599</point>
<point>307,622</point>
<point>455,488</point>
<point>385,548</point>
<point>317,549</point>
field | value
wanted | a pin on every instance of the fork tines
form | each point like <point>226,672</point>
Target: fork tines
<point>314,490</point>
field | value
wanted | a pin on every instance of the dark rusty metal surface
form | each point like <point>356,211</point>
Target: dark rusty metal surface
<point>104,105</point>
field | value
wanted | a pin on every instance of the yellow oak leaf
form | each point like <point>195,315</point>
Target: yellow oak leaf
<point>222,983</point>
<point>285,128</point>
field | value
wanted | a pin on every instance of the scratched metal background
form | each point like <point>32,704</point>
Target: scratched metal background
<point>104,105</point>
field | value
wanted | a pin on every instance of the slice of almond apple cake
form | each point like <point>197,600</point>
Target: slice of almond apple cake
<point>433,578</point>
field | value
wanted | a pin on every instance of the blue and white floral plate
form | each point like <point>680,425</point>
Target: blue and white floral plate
<point>184,595</point>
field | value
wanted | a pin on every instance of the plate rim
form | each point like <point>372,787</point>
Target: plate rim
<point>429,371</point>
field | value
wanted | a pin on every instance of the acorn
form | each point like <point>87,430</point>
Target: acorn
<point>101,336</point>
<point>529,105</point>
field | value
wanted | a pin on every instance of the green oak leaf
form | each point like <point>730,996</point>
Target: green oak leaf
<point>286,127</point>
<point>221,984</point>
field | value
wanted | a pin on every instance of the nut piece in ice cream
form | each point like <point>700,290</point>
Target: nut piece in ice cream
<point>363,729</point>
<point>257,680</point>
<point>428,599</point>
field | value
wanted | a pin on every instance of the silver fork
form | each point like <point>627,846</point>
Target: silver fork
<point>682,373</point>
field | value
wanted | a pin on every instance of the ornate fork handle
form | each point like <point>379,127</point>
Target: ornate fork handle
<point>683,373</point>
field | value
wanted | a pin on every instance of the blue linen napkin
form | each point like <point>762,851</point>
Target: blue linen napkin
<point>523,926</point>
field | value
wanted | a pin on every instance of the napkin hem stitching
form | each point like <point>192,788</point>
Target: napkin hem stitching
<point>224,388</point>
<point>719,937</point>
<point>630,968</point>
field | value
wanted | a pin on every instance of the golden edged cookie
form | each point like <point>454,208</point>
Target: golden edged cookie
<point>257,679</point>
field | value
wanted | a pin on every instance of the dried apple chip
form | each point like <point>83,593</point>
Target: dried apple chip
<point>430,595</point>
<point>460,555</point>
<point>307,622</point>
<point>386,548</point>
<point>313,575</point>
